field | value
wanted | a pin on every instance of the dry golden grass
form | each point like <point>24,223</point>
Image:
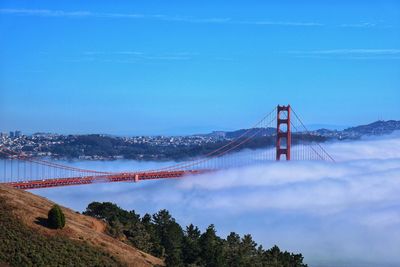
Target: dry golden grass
<point>29,208</point>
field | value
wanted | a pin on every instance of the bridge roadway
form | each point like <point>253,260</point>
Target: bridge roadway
<point>118,177</point>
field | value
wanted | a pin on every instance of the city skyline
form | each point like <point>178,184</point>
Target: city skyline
<point>168,69</point>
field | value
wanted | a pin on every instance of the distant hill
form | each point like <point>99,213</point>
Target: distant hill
<point>25,241</point>
<point>256,132</point>
<point>176,148</point>
<point>374,128</point>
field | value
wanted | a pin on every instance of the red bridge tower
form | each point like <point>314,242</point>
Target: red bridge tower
<point>283,133</point>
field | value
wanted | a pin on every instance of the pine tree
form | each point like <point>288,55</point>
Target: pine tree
<point>163,237</point>
<point>232,250</point>
<point>139,237</point>
<point>248,251</point>
<point>191,248</point>
<point>56,218</point>
<point>170,234</point>
<point>211,248</point>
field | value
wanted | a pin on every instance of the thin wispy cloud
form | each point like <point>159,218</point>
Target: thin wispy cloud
<point>45,12</point>
<point>168,58</point>
<point>281,23</point>
<point>101,53</point>
<point>359,25</point>
<point>129,56</point>
<point>162,17</point>
<point>135,53</point>
<point>350,53</point>
<point>86,14</point>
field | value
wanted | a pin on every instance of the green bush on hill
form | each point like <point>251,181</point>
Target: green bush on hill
<point>22,246</point>
<point>56,218</point>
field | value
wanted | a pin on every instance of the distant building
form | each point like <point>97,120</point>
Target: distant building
<point>17,134</point>
<point>11,135</point>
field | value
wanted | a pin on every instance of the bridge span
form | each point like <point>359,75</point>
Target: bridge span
<point>291,143</point>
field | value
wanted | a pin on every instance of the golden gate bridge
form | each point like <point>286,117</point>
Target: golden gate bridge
<point>24,172</point>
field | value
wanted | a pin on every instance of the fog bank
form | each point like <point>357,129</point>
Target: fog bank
<point>337,214</point>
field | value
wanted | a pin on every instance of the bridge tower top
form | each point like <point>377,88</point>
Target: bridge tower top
<point>283,132</point>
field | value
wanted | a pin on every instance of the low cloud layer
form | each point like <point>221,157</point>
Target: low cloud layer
<point>337,214</point>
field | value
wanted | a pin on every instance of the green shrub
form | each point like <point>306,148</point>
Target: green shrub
<point>56,218</point>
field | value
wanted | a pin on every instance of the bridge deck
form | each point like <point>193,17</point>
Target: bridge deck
<point>120,177</point>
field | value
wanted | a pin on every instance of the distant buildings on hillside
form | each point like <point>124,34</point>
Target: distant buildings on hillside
<point>11,134</point>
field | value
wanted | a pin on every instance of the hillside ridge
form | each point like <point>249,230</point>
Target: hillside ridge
<point>31,210</point>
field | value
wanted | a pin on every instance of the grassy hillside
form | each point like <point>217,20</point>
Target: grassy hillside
<point>26,241</point>
<point>22,246</point>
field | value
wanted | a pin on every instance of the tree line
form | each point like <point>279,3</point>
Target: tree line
<point>160,235</point>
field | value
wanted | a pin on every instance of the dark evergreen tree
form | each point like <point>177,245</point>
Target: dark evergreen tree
<point>146,220</point>
<point>108,211</point>
<point>211,248</point>
<point>56,218</point>
<point>191,248</point>
<point>272,256</point>
<point>170,234</point>
<point>156,248</point>
<point>116,229</point>
<point>232,250</point>
<point>161,236</point>
<point>248,251</point>
<point>139,237</point>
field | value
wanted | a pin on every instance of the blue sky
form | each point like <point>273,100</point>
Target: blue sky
<point>179,67</point>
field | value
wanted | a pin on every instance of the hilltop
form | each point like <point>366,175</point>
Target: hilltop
<point>375,128</point>
<point>83,241</point>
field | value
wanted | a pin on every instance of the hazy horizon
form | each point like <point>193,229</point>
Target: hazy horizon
<point>310,127</point>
